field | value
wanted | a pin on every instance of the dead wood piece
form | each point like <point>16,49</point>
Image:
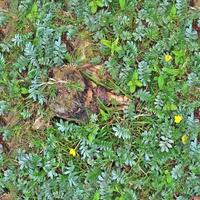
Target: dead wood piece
<point>68,103</point>
<point>197,114</point>
<point>71,103</point>
<point>69,45</point>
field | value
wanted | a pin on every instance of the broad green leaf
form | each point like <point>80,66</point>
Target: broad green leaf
<point>120,198</point>
<point>104,115</point>
<point>171,71</point>
<point>134,82</point>
<point>90,137</point>
<point>169,179</point>
<point>115,47</point>
<point>115,43</point>
<point>99,3</point>
<point>93,7</point>
<point>96,196</point>
<point>170,107</point>
<point>161,82</point>
<point>129,83</point>
<point>179,53</point>
<point>138,83</point>
<point>112,45</point>
<point>173,107</point>
<point>173,12</point>
<point>24,90</point>
<point>106,43</point>
<point>132,87</point>
<point>122,4</point>
<point>185,89</point>
<point>33,14</point>
<point>179,56</point>
<point>135,75</point>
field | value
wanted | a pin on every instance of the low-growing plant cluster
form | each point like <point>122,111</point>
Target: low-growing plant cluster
<point>150,150</point>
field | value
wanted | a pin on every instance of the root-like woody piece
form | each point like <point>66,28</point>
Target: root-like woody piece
<point>71,103</point>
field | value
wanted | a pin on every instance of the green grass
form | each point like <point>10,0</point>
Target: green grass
<point>139,153</point>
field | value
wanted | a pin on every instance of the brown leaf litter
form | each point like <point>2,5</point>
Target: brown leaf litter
<point>6,196</point>
<point>195,3</point>
<point>195,198</point>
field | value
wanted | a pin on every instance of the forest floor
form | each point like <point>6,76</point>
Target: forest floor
<point>99,100</point>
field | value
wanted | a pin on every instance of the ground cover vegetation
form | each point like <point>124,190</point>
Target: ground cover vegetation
<point>148,150</point>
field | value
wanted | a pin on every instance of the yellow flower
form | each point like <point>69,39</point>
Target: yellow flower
<point>167,57</point>
<point>184,139</point>
<point>178,119</point>
<point>72,152</point>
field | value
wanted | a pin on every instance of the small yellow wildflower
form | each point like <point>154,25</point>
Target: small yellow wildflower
<point>167,57</point>
<point>178,119</point>
<point>72,152</point>
<point>184,139</point>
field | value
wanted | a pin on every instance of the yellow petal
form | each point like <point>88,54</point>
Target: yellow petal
<point>184,139</point>
<point>178,119</point>
<point>167,57</point>
<point>72,152</point>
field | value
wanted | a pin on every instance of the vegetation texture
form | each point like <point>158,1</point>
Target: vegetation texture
<point>150,149</point>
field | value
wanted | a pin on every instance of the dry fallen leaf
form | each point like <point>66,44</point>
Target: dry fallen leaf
<point>68,43</point>
<point>85,49</point>
<point>89,97</point>
<point>3,4</point>
<point>121,100</point>
<point>6,196</point>
<point>102,94</point>
<point>39,124</point>
<point>195,198</point>
<point>195,3</point>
